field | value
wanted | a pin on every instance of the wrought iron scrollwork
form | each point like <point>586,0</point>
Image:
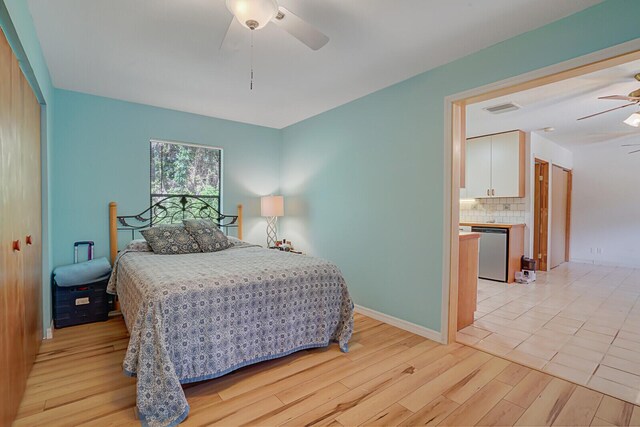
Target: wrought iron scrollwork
<point>175,208</point>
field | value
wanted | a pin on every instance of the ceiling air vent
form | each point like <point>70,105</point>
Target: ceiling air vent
<point>503,108</point>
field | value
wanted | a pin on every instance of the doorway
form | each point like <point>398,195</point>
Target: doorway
<point>541,213</point>
<point>455,145</point>
<point>559,237</point>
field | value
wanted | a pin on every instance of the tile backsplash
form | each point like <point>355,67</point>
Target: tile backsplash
<point>510,210</point>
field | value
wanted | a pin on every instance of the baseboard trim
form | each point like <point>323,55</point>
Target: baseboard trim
<point>48,333</point>
<point>605,263</point>
<point>399,323</point>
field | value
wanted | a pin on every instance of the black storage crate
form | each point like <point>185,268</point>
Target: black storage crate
<point>75,305</point>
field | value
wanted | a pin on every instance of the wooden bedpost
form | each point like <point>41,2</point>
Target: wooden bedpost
<point>113,231</point>
<point>240,222</point>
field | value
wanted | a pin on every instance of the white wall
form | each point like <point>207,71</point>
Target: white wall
<point>605,220</point>
<point>544,149</point>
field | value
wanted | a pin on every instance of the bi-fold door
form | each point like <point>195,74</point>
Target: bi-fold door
<point>20,232</point>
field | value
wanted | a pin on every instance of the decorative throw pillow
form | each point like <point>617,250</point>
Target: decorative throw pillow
<point>138,245</point>
<point>170,239</point>
<point>207,234</point>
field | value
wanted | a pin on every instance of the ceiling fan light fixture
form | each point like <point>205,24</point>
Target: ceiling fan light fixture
<point>633,120</point>
<point>253,14</point>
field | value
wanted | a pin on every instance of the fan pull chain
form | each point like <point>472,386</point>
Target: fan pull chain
<point>251,81</point>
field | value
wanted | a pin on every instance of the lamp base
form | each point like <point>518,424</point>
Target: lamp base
<point>272,236</point>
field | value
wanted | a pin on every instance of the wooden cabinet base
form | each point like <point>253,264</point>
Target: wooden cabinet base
<point>467,278</point>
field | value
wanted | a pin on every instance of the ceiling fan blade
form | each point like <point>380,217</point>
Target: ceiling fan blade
<point>621,98</point>
<point>300,29</point>
<point>234,37</point>
<point>606,111</point>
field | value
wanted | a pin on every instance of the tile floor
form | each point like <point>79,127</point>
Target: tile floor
<point>580,322</point>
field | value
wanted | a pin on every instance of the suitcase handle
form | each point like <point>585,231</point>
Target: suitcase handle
<point>89,243</point>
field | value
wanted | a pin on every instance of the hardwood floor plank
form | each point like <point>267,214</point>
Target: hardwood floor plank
<point>433,413</point>
<point>615,411</point>
<point>432,388</point>
<point>391,416</point>
<point>528,389</point>
<point>83,410</point>
<point>348,369</point>
<point>504,413</point>
<point>548,405</point>
<point>476,407</point>
<point>356,379</point>
<point>513,374</point>
<point>476,380</point>
<point>298,407</point>
<point>580,409</point>
<point>270,377</point>
<point>390,377</point>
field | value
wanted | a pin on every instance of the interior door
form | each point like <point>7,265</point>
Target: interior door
<point>505,165</point>
<point>478,167</point>
<point>559,203</point>
<point>541,213</point>
<point>20,216</point>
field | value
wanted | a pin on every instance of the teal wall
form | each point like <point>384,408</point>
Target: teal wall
<point>16,23</point>
<point>363,183</point>
<point>101,154</point>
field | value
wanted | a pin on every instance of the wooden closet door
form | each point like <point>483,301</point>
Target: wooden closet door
<point>20,209</point>
<point>7,267</point>
<point>31,204</point>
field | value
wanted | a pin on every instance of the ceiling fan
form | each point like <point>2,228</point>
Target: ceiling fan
<point>256,14</point>
<point>633,97</point>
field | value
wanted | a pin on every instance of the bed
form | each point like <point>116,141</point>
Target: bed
<point>198,316</point>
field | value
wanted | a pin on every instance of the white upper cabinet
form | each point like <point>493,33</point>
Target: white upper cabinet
<point>495,165</point>
<point>478,167</point>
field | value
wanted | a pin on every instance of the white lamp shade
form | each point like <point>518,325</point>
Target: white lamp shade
<point>272,206</point>
<point>633,120</point>
<point>261,11</point>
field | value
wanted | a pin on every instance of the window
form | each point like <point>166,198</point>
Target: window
<point>185,169</point>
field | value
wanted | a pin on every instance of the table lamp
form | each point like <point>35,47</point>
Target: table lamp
<point>272,207</point>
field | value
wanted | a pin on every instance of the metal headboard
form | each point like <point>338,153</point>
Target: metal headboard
<point>173,209</point>
<point>168,210</point>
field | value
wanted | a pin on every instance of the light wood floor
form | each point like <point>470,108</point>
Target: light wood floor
<point>389,377</point>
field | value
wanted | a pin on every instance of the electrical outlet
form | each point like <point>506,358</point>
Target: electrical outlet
<point>599,250</point>
<point>507,207</point>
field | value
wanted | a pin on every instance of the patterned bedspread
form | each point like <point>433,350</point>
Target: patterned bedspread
<point>199,316</point>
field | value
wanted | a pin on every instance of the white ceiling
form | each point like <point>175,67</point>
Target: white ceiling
<point>166,52</point>
<point>558,105</point>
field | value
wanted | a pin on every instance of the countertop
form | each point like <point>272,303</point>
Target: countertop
<point>469,235</point>
<point>491,224</point>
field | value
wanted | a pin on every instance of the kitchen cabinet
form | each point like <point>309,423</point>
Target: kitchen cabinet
<point>467,278</point>
<point>513,251</point>
<point>494,165</point>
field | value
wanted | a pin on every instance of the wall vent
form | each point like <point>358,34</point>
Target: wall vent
<point>503,108</point>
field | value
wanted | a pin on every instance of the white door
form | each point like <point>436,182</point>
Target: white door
<point>505,165</point>
<point>478,167</point>
<point>557,237</point>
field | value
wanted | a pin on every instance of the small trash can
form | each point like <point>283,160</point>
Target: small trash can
<point>80,290</point>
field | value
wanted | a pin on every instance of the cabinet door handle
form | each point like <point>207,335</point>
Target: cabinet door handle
<point>493,192</point>
<point>16,245</point>
<point>488,193</point>
<point>28,240</point>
